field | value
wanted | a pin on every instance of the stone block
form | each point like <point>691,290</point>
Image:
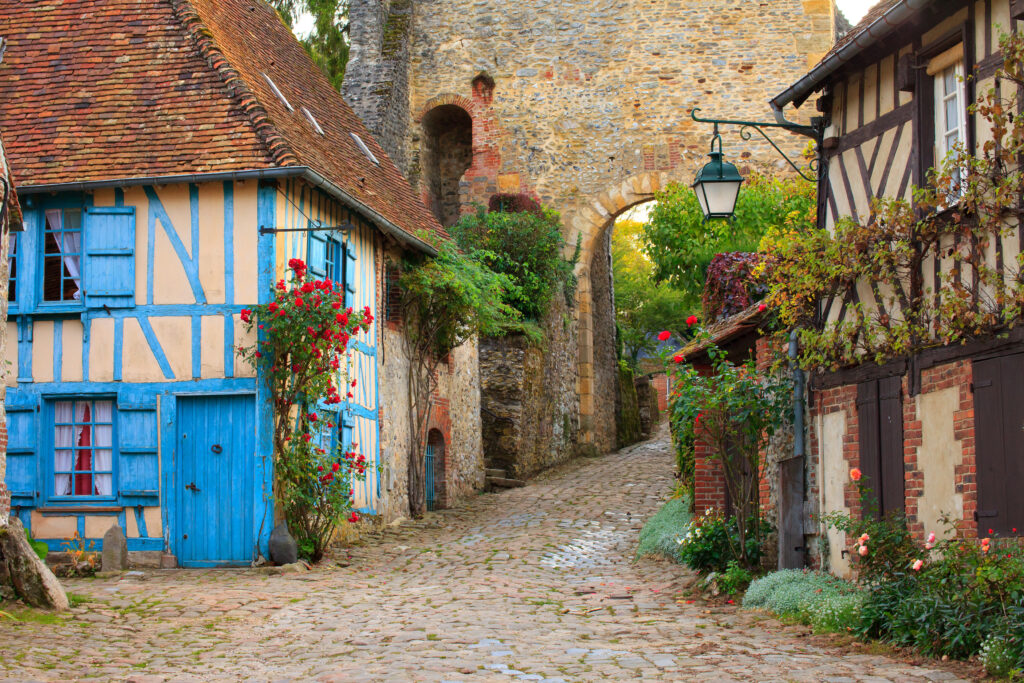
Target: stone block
<point>31,579</point>
<point>115,549</point>
<point>283,548</point>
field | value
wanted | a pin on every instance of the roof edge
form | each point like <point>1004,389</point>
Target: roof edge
<point>383,223</point>
<point>865,37</point>
<point>724,330</point>
<point>276,144</point>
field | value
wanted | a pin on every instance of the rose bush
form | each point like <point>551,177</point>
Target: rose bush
<point>303,336</point>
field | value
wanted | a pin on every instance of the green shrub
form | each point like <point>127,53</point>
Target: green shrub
<point>822,600</point>
<point>40,547</point>
<point>713,542</point>
<point>661,533</point>
<point>1003,656</point>
<point>734,579</point>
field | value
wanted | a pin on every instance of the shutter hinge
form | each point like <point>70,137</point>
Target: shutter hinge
<point>978,514</point>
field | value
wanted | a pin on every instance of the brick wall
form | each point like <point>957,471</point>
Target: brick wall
<point>661,387</point>
<point>917,460</point>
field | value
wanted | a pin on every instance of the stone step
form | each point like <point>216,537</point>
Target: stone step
<point>492,472</point>
<point>503,483</point>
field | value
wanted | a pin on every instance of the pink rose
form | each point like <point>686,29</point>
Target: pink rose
<point>917,565</point>
<point>863,551</point>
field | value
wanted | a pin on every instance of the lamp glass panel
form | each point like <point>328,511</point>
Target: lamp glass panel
<point>701,199</point>
<point>721,197</point>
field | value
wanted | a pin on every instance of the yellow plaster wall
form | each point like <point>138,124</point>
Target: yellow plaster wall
<point>242,338</point>
<point>211,232</point>
<point>71,351</point>
<point>212,346</point>
<point>170,285</point>
<point>246,234</point>
<point>101,354</point>
<point>42,351</point>
<point>138,362</point>
<point>175,337</point>
<point>154,522</point>
<point>96,526</point>
<point>53,527</point>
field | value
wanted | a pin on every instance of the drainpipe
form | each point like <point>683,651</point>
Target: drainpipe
<point>798,397</point>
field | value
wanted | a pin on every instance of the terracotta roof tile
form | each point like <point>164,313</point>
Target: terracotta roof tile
<point>111,89</point>
<point>725,330</point>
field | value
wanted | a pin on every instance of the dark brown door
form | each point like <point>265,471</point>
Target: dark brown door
<point>999,443</point>
<point>880,424</point>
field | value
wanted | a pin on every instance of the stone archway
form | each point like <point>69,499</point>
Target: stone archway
<point>597,377</point>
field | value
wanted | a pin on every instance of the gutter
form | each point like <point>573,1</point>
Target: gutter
<point>866,37</point>
<point>303,172</point>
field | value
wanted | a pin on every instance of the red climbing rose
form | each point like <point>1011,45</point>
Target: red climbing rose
<point>664,335</point>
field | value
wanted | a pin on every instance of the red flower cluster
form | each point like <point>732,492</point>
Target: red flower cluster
<point>664,335</point>
<point>691,321</point>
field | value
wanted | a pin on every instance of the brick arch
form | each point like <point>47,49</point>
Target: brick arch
<point>443,99</point>
<point>591,224</point>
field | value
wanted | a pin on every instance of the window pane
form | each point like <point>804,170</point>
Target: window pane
<point>104,485</point>
<point>949,80</point>
<point>103,460</point>
<point>83,485</point>
<point>104,412</point>
<point>102,436</point>
<point>12,254</point>
<point>62,485</point>
<point>952,113</point>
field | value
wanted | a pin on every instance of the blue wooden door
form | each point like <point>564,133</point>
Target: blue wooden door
<point>215,476</point>
<point>429,467</point>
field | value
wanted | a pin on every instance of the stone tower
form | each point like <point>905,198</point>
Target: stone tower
<point>582,103</point>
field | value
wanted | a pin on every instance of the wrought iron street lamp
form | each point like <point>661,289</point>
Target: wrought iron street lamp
<point>718,184</point>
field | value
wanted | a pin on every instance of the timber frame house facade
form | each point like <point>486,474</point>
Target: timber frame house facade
<point>172,157</point>
<point>938,432</point>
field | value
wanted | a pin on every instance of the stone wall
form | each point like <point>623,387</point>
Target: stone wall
<point>455,413</point>
<point>586,106</point>
<point>528,398</point>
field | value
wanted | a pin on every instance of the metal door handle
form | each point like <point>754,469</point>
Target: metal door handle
<point>192,487</point>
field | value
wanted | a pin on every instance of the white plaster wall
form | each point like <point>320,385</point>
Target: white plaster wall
<point>834,474</point>
<point>937,458</point>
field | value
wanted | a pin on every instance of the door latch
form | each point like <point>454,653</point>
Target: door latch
<point>192,487</point>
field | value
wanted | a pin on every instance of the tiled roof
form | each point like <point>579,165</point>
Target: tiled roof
<point>113,89</point>
<point>725,331</point>
<point>11,210</point>
<point>872,15</point>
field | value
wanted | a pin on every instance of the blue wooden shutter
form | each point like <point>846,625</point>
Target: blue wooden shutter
<point>22,456</point>
<point>316,254</point>
<point>138,471</point>
<point>349,274</point>
<point>109,269</point>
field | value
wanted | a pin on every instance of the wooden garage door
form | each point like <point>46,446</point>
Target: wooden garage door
<point>999,442</point>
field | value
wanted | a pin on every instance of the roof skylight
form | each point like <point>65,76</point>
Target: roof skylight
<point>277,91</point>
<point>312,121</point>
<point>364,149</point>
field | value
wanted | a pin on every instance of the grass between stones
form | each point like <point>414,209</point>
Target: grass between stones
<point>658,537</point>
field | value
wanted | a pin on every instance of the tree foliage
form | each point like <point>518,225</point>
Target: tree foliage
<point>969,207</point>
<point>681,244</point>
<point>643,307</point>
<point>528,249</point>
<point>327,44</point>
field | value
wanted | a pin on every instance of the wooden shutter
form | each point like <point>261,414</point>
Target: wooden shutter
<point>316,254</point>
<point>138,467</point>
<point>999,443</point>
<point>109,255</point>
<point>890,441</point>
<point>22,455</point>
<point>349,274</point>
<point>868,439</point>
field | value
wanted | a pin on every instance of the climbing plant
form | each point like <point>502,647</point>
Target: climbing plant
<point>446,301</point>
<point>303,335</point>
<point>961,218</point>
<point>525,245</point>
<point>735,410</point>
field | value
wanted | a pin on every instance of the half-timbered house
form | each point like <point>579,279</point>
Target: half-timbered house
<point>173,156</point>
<point>937,432</point>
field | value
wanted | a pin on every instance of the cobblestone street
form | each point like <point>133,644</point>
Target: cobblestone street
<point>533,584</point>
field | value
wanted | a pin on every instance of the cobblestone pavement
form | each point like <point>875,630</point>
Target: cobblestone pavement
<point>535,584</point>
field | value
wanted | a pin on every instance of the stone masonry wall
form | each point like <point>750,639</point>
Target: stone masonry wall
<point>528,398</point>
<point>455,413</point>
<point>585,105</point>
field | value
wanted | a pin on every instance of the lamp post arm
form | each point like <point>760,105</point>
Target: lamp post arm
<point>815,131</point>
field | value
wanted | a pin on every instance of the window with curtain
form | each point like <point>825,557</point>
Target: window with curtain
<point>949,106</point>
<point>83,452</point>
<point>62,256</point>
